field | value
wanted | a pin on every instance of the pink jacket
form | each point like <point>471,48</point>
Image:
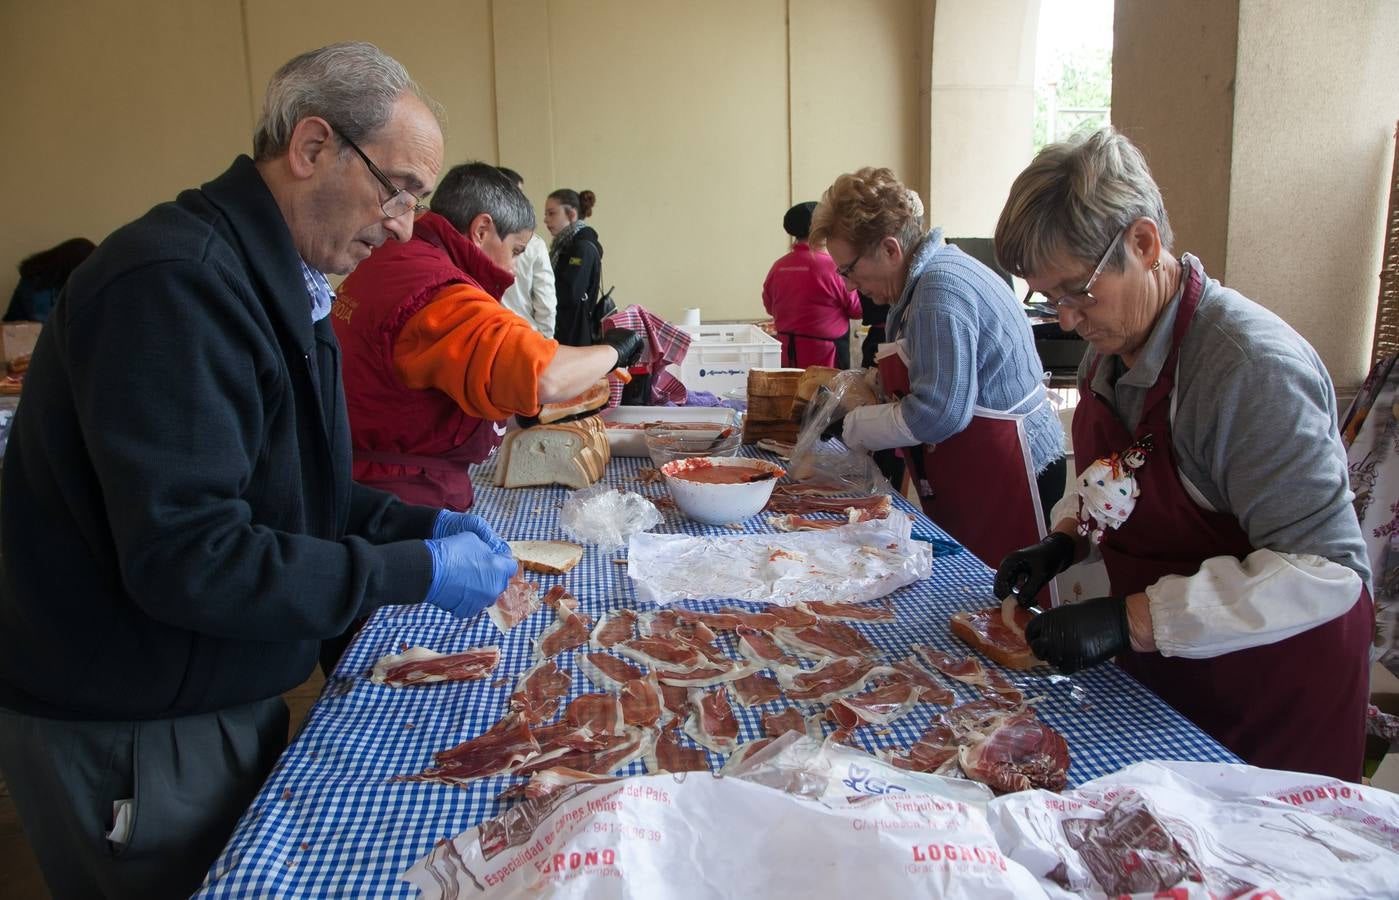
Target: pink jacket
<point>809,305</point>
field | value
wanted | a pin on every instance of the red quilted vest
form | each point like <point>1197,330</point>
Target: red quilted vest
<point>414,442</point>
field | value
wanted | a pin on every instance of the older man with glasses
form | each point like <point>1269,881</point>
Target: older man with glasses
<point>180,528</point>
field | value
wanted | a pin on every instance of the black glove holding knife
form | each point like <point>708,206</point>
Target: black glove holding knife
<point>629,346</point>
<point>1072,637</point>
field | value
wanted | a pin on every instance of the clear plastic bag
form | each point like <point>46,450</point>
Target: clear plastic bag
<point>607,517</point>
<point>820,462</point>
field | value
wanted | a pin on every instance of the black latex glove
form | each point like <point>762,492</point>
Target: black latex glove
<point>1031,568</point>
<point>627,343</point>
<point>1080,635</point>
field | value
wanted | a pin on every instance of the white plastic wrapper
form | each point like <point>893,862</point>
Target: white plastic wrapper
<point>849,564</point>
<point>607,517</point>
<point>662,837</point>
<point>1205,830</point>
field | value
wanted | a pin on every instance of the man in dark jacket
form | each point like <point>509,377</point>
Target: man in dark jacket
<point>179,527</point>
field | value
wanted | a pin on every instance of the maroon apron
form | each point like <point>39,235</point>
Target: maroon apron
<point>1296,704</point>
<point>441,480</point>
<point>978,485</point>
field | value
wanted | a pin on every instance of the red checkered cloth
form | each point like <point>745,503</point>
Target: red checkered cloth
<point>666,344</point>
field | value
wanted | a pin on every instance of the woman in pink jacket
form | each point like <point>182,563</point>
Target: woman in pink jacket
<point>807,299</point>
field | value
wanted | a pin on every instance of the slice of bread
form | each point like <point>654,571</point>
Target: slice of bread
<point>985,631</point>
<point>573,454</point>
<point>548,557</point>
<point>595,398</point>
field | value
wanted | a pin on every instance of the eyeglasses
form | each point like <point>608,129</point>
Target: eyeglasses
<point>1083,297</point>
<point>400,200</point>
<point>848,269</point>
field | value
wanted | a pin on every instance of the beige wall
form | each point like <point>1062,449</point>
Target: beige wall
<point>695,124</point>
<point>1313,144</point>
<point>983,109</point>
<point>1173,95</point>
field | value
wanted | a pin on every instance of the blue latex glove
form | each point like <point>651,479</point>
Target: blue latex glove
<point>467,576</point>
<point>449,523</point>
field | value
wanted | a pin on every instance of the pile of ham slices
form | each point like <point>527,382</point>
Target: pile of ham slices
<point>664,676</point>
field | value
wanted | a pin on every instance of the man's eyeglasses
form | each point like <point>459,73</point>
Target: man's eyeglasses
<point>400,200</point>
<point>1083,297</point>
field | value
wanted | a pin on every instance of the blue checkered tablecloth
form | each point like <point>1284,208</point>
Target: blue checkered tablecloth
<point>329,822</point>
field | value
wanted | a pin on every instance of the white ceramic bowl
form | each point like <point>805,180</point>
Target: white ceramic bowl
<point>720,503</point>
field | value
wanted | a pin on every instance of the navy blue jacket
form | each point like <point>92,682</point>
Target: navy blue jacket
<point>179,528</point>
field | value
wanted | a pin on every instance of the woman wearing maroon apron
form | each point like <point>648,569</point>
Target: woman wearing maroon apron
<point>969,409</point>
<point>1210,477</point>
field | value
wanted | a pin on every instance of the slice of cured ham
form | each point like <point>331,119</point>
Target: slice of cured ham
<point>516,603</point>
<point>570,629</point>
<point>882,611</point>
<point>986,631</point>
<point>711,722</point>
<point>613,628</point>
<point>599,713</point>
<point>708,674</point>
<point>962,668</point>
<point>878,706</point>
<point>606,671</point>
<point>759,647</point>
<point>675,702</point>
<point>825,640</point>
<point>908,671</point>
<point>729,619</point>
<point>755,689</point>
<point>788,616</point>
<point>830,679</point>
<point>503,748</point>
<point>539,691</point>
<point>419,665</point>
<point>641,702</point>
<point>661,654</point>
<point>621,750</point>
<point>856,509</point>
<point>669,755</point>
<point>548,781</point>
<point>935,751</point>
<point>779,723</point>
<point>1019,753</point>
<point>743,752</point>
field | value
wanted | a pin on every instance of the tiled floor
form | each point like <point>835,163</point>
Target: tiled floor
<point>19,873</point>
<point>20,879</point>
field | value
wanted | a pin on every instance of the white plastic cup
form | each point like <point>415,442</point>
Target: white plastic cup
<point>691,318</point>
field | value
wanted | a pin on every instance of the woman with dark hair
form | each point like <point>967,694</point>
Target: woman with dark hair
<point>42,276</point>
<point>811,307</point>
<point>577,258</point>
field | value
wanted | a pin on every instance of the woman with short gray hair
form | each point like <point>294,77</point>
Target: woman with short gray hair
<point>960,367</point>
<point>1211,477</point>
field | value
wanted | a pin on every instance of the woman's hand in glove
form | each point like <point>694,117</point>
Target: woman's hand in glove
<point>627,343</point>
<point>1080,635</point>
<point>467,576</point>
<point>1025,572</point>
<point>449,523</point>
<point>877,427</point>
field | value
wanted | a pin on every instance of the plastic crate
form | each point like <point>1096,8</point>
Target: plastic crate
<point>721,355</point>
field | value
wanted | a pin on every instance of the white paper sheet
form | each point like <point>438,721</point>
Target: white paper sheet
<point>849,564</point>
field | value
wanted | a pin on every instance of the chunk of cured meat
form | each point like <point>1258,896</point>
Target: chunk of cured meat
<point>755,689</point>
<point>825,640</point>
<point>641,701</point>
<point>907,671</point>
<point>606,671</point>
<point>935,751</point>
<point>669,755</point>
<point>759,647</point>
<point>419,665</point>
<point>1001,685</point>
<point>539,691</point>
<point>711,722</point>
<point>962,668</point>
<point>832,678</point>
<point>613,628</point>
<point>516,603</point>
<point>883,611</point>
<point>878,706</point>
<point>985,631</point>
<point>977,717</point>
<point>570,630</point>
<point>560,600</point>
<point>1019,753</point>
<point>503,748</point>
<point>675,701</point>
